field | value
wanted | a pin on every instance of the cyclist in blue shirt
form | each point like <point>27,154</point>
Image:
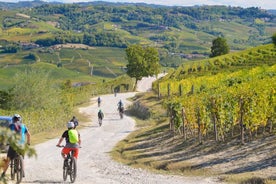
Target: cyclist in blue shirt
<point>18,127</point>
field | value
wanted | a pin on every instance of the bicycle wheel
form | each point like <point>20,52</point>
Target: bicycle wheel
<point>100,122</point>
<point>65,169</point>
<point>73,169</point>
<point>121,115</point>
<point>18,168</point>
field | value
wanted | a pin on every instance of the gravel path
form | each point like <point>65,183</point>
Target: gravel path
<point>94,163</point>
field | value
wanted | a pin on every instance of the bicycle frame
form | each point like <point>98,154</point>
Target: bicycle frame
<point>17,169</point>
<point>70,167</point>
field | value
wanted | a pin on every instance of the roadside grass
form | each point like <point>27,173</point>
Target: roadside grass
<point>152,146</point>
<point>84,121</point>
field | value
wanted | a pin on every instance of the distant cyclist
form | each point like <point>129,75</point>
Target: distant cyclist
<point>120,105</point>
<point>75,120</point>
<point>120,108</point>
<point>18,127</point>
<point>73,141</point>
<point>99,101</point>
<point>100,117</point>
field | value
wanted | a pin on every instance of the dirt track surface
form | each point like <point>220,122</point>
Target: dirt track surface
<point>94,163</point>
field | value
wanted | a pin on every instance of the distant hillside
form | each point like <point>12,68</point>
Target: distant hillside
<point>272,11</point>
<point>176,29</point>
<point>181,34</point>
<point>23,4</point>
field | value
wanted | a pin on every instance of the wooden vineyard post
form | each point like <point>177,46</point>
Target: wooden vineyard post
<point>199,126</point>
<point>158,90</point>
<point>169,89</point>
<point>241,102</point>
<point>183,121</point>
<point>214,118</point>
<point>180,89</point>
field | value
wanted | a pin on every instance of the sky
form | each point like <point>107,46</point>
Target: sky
<point>264,4</point>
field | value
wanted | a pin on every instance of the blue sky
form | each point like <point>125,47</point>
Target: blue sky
<point>264,4</point>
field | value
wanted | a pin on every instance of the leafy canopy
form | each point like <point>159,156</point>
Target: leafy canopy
<point>219,47</point>
<point>142,62</point>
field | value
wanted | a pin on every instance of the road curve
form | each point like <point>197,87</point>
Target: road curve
<point>94,163</point>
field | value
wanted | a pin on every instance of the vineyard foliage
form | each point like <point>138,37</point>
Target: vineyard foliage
<point>224,97</point>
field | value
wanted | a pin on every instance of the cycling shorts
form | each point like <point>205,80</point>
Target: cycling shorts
<point>11,153</point>
<point>66,151</point>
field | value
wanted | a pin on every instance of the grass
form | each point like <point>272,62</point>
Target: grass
<point>56,133</point>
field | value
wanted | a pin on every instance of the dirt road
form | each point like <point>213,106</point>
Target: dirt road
<point>94,163</point>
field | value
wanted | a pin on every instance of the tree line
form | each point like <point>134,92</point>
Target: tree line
<point>74,19</point>
<point>100,39</point>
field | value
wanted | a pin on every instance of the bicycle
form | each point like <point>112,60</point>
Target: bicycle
<point>17,169</point>
<point>70,167</point>
<point>100,121</point>
<point>121,112</point>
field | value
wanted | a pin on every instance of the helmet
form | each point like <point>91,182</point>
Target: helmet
<point>70,124</point>
<point>16,117</point>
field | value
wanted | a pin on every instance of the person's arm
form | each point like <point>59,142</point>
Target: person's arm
<point>28,137</point>
<point>60,141</point>
<point>61,138</point>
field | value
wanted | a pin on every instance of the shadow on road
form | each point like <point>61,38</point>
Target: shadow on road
<point>45,181</point>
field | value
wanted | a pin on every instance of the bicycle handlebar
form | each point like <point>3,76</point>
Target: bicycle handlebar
<point>62,146</point>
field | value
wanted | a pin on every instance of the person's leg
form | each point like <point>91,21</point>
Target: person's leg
<point>65,151</point>
<point>76,152</point>
<point>10,155</point>
<point>5,166</point>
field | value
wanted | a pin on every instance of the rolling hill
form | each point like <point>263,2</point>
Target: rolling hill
<point>181,34</point>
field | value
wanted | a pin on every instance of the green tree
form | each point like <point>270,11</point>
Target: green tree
<point>274,39</point>
<point>142,62</point>
<point>219,47</point>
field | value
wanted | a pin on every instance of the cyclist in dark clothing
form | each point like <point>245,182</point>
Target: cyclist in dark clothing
<point>75,120</point>
<point>99,101</point>
<point>120,106</point>
<point>100,117</point>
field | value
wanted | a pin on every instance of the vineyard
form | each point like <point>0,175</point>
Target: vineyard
<point>231,96</point>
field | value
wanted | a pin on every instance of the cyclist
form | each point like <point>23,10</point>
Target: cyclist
<point>100,116</point>
<point>21,129</point>
<point>120,106</point>
<point>70,145</point>
<point>99,101</point>
<point>75,120</point>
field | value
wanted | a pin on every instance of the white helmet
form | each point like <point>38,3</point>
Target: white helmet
<point>16,117</point>
<point>70,124</point>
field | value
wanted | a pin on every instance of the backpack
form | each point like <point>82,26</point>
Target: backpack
<point>73,136</point>
<point>15,127</point>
